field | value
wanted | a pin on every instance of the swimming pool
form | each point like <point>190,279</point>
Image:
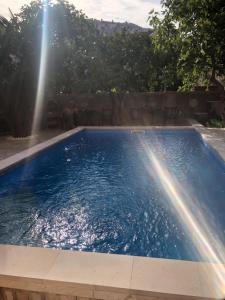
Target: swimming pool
<point>99,191</point>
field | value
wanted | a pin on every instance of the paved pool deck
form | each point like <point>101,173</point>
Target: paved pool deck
<point>216,138</point>
<point>10,146</point>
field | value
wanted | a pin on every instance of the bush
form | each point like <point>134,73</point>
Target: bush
<point>215,123</point>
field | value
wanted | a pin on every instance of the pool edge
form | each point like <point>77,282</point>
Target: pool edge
<point>19,157</point>
<point>104,276</point>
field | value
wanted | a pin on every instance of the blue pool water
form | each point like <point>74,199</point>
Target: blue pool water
<point>98,191</point>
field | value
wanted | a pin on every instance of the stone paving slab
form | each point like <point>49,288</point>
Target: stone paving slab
<point>10,146</point>
<point>215,137</point>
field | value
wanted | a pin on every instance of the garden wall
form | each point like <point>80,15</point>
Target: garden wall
<point>137,108</point>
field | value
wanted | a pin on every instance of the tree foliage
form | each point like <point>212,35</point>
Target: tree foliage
<point>80,59</point>
<point>193,31</point>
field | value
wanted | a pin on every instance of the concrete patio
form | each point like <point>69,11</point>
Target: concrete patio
<point>10,146</point>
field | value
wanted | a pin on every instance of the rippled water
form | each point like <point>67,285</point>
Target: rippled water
<point>93,193</point>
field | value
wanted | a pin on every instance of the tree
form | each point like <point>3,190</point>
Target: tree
<point>73,44</point>
<point>19,68</point>
<point>132,63</point>
<point>72,52</point>
<point>127,57</point>
<point>80,59</point>
<point>194,30</point>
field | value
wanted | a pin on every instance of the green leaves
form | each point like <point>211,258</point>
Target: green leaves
<point>195,31</point>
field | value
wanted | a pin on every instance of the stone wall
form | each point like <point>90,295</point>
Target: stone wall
<point>14,294</point>
<point>137,108</point>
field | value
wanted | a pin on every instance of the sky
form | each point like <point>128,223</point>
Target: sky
<point>134,11</point>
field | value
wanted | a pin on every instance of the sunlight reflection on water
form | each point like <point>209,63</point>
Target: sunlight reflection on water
<point>197,225</point>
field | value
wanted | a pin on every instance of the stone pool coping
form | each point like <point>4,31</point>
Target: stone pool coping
<point>104,276</point>
<point>30,152</point>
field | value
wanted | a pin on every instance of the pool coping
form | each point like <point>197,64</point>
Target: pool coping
<point>13,160</point>
<point>98,275</point>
